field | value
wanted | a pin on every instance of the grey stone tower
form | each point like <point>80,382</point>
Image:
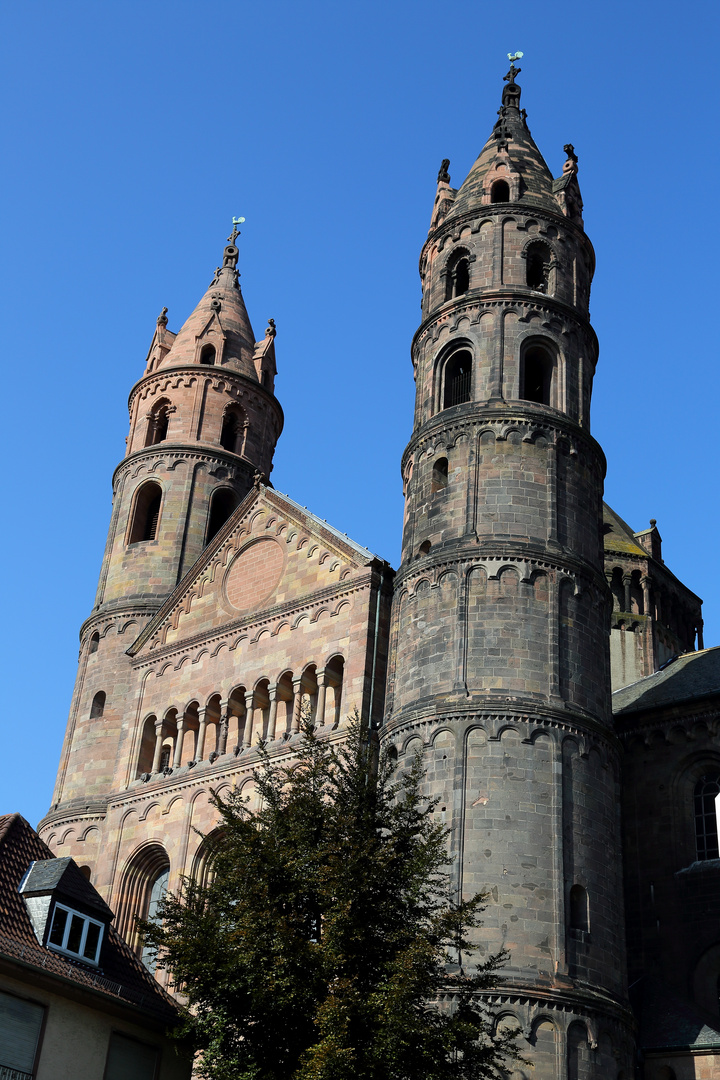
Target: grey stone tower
<point>499,661</point>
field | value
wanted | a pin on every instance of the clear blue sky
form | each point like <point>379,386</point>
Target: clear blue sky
<point>132,132</point>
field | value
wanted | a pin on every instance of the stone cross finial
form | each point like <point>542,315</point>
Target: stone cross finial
<point>444,175</point>
<point>236,232</point>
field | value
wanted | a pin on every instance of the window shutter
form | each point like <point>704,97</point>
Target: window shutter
<point>130,1060</point>
<point>20,1025</point>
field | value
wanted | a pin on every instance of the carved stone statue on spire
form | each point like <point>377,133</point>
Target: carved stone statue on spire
<point>444,175</point>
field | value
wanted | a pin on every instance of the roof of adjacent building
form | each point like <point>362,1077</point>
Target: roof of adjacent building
<point>667,1021</point>
<point>120,975</point>
<point>64,877</point>
<point>619,536</point>
<point>690,677</point>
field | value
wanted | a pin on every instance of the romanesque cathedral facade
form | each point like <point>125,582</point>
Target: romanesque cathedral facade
<point>225,609</point>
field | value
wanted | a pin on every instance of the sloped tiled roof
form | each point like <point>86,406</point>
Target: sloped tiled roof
<point>121,975</point>
<point>688,678</point>
<point>619,536</point>
<point>64,877</point>
<point>669,1022</point>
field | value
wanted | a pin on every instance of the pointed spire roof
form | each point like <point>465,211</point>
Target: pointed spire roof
<point>219,321</point>
<point>511,154</point>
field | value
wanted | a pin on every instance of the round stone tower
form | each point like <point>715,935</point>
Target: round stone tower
<point>499,655</point>
<point>204,422</point>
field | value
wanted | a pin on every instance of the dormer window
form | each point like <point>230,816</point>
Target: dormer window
<point>75,934</point>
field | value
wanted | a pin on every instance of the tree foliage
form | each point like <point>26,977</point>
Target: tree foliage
<point>326,945</point>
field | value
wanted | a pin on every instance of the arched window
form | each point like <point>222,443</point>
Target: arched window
<point>144,883</point>
<point>537,269</point>
<point>94,642</point>
<point>457,378</point>
<point>158,423</point>
<point>500,192</point>
<point>207,354</point>
<point>334,673</point>
<point>146,514</point>
<point>579,909</point>
<point>202,871</point>
<point>98,705</point>
<point>706,832</point>
<point>458,275</point>
<point>537,368</point>
<point>222,504</point>
<point>147,746</point>
<point>233,430</point>
<point>156,893</point>
<point>440,474</point>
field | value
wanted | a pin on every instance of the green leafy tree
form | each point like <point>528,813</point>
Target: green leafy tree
<point>326,945</point>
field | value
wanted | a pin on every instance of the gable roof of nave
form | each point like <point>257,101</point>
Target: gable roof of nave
<point>233,585</point>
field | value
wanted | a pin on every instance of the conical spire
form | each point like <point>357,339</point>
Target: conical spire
<point>510,154</point>
<point>219,330</point>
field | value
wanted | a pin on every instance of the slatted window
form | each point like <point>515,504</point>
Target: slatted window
<point>706,831</point>
<point>457,379</point>
<point>129,1059</point>
<point>20,1027</point>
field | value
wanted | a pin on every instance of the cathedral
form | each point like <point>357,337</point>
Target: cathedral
<point>536,648</point>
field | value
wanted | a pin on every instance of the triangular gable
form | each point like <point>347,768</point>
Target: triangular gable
<point>271,553</point>
<point>619,536</point>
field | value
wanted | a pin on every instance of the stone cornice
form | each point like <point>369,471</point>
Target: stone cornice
<point>105,617</point>
<point>454,225</point>
<point>186,452</point>
<point>517,296</point>
<point>213,373</point>
<point>498,715</point>
<point>470,551</point>
<point>473,415</point>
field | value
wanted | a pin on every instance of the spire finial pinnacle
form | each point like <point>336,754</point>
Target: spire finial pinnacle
<point>235,232</point>
<point>511,92</point>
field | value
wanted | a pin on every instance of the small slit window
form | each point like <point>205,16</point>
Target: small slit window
<point>500,192</point>
<point>98,705</point>
<point>440,474</point>
<point>706,832</point>
<point>207,354</point>
<point>146,514</point>
<point>457,379</point>
<point>579,911</point>
<point>537,376</point>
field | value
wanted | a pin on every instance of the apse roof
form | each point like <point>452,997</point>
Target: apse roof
<point>689,677</point>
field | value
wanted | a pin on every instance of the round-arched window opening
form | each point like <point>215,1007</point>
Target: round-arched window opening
<point>579,910</point>
<point>94,642</point>
<point>707,790</point>
<point>222,505</point>
<point>537,376</point>
<point>98,705</point>
<point>207,354</point>
<point>500,192</point>
<point>233,426</point>
<point>147,513</point>
<point>457,379</point>
<point>158,424</point>
<point>440,474</point>
<point>537,270</point>
<point>424,548</point>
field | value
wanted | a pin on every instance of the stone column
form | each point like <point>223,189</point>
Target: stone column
<point>699,628</point>
<point>179,742</point>
<point>297,705</point>
<point>626,585</point>
<point>224,724</point>
<point>272,719</point>
<point>249,719</point>
<point>200,745</point>
<point>158,746</point>
<point>321,685</point>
